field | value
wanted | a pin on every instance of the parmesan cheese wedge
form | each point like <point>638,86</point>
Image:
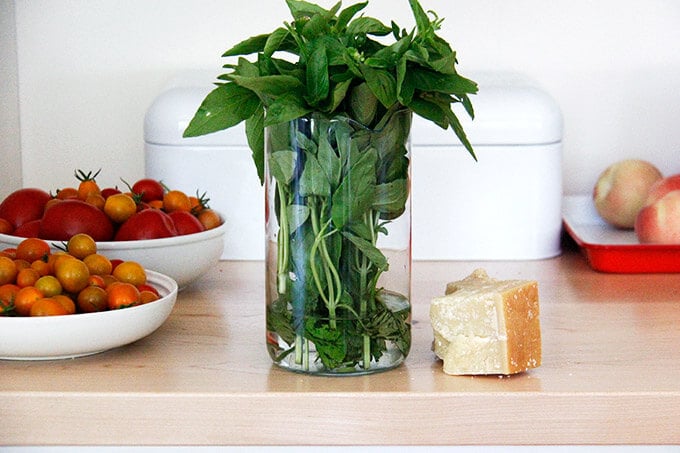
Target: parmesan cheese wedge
<point>487,326</point>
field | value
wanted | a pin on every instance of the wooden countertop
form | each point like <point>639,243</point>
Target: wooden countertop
<point>610,374</point>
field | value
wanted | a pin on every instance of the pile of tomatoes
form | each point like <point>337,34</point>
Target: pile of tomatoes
<point>36,282</point>
<point>145,210</point>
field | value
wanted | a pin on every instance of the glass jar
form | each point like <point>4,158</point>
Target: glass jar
<point>338,244</point>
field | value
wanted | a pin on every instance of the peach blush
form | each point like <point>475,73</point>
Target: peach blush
<point>621,190</point>
<point>659,222</point>
<point>662,187</point>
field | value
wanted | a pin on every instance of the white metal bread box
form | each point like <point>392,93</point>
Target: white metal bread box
<point>505,205</point>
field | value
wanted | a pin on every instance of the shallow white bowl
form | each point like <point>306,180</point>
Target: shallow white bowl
<point>69,336</point>
<point>183,258</point>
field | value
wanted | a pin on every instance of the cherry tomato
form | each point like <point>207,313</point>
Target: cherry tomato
<point>66,302</point>
<point>88,185</point>
<point>97,200</point>
<point>148,189</point>
<point>67,193</point>
<point>148,287</point>
<point>24,205</point>
<point>47,306</point>
<point>8,270</point>
<point>120,207</point>
<point>186,223</point>
<point>122,295</point>
<point>48,285</point>
<point>176,200</point>
<point>146,224</point>
<point>31,249</point>
<point>70,217</point>
<point>209,218</point>
<point>91,299</point>
<point>81,245</point>
<point>72,274</point>
<point>98,264</point>
<point>107,192</point>
<point>27,277</point>
<point>147,296</point>
<point>25,298</point>
<point>8,293</point>
<point>130,272</point>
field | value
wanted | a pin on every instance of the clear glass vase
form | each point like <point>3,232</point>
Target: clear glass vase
<point>338,254</point>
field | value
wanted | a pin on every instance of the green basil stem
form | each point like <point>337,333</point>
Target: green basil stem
<point>333,282</point>
<point>282,243</point>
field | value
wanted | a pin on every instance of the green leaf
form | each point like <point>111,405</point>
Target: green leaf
<point>363,105</point>
<point>318,83</point>
<point>329,342</point>
<point>297,215</point>
<point>430,111</point>
<point>382,84</point>
<point>224,107</point>
<point>390,198</point>
<point>460,133</point>
<point>270,86</point>
<point>347,14</point>
<point>313,180</point>
<point>255,137</point>
<point>374,255</point>
<point>426,80</point>
<point>368,26</point>
<point>329,160</point>
<point>285,108</point>
<point>251,45</point>
<point>354,195</point>
<point>282,166</point>
<point>422,21</point>
<point>276,41</point>
<point>300,9</point>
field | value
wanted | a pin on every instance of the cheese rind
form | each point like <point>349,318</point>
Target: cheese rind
<point>487,326</point>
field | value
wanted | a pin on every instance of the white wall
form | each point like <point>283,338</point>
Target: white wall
<point>88,69</point>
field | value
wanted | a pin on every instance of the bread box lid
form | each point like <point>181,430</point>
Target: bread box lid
<point>510,109</point>
<point>170,114</point>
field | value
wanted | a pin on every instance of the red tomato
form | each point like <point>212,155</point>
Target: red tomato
<point>146,224</point>
<point>28,230</point>
<point>107,192</point>
<point>24,205</point>
<point>149,189</point>
<point>70,217</point>
<point>186,223</point>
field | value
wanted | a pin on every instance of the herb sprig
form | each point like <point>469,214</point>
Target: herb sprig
<point>339,65</point>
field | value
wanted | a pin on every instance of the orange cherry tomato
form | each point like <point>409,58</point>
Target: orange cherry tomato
<point>67,193</point>
<point>98,264</point>
<point>147,296</point>
<point>49,285</point>
<point>66,302</point>
<point>176,200</point>
<point>25,298</point>
<point>130,272</point>
<point>27,277</point>
<point>47,306</point>
<point>209,218</point>
<point>8,294</point>
<point>122,295</point>
<point>8,270</point>
<point>31,249</point>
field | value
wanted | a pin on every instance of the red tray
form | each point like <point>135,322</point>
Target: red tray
<point>608,249</point>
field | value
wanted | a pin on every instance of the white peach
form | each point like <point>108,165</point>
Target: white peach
<point>662,187</point>
<point>659,222</point>
<point>621,191</point>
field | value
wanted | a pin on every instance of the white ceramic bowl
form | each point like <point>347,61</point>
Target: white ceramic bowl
<point>69,336</point>
<point>183,258</point>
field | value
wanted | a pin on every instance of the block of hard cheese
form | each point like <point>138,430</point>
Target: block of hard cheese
<point>487,326</point>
